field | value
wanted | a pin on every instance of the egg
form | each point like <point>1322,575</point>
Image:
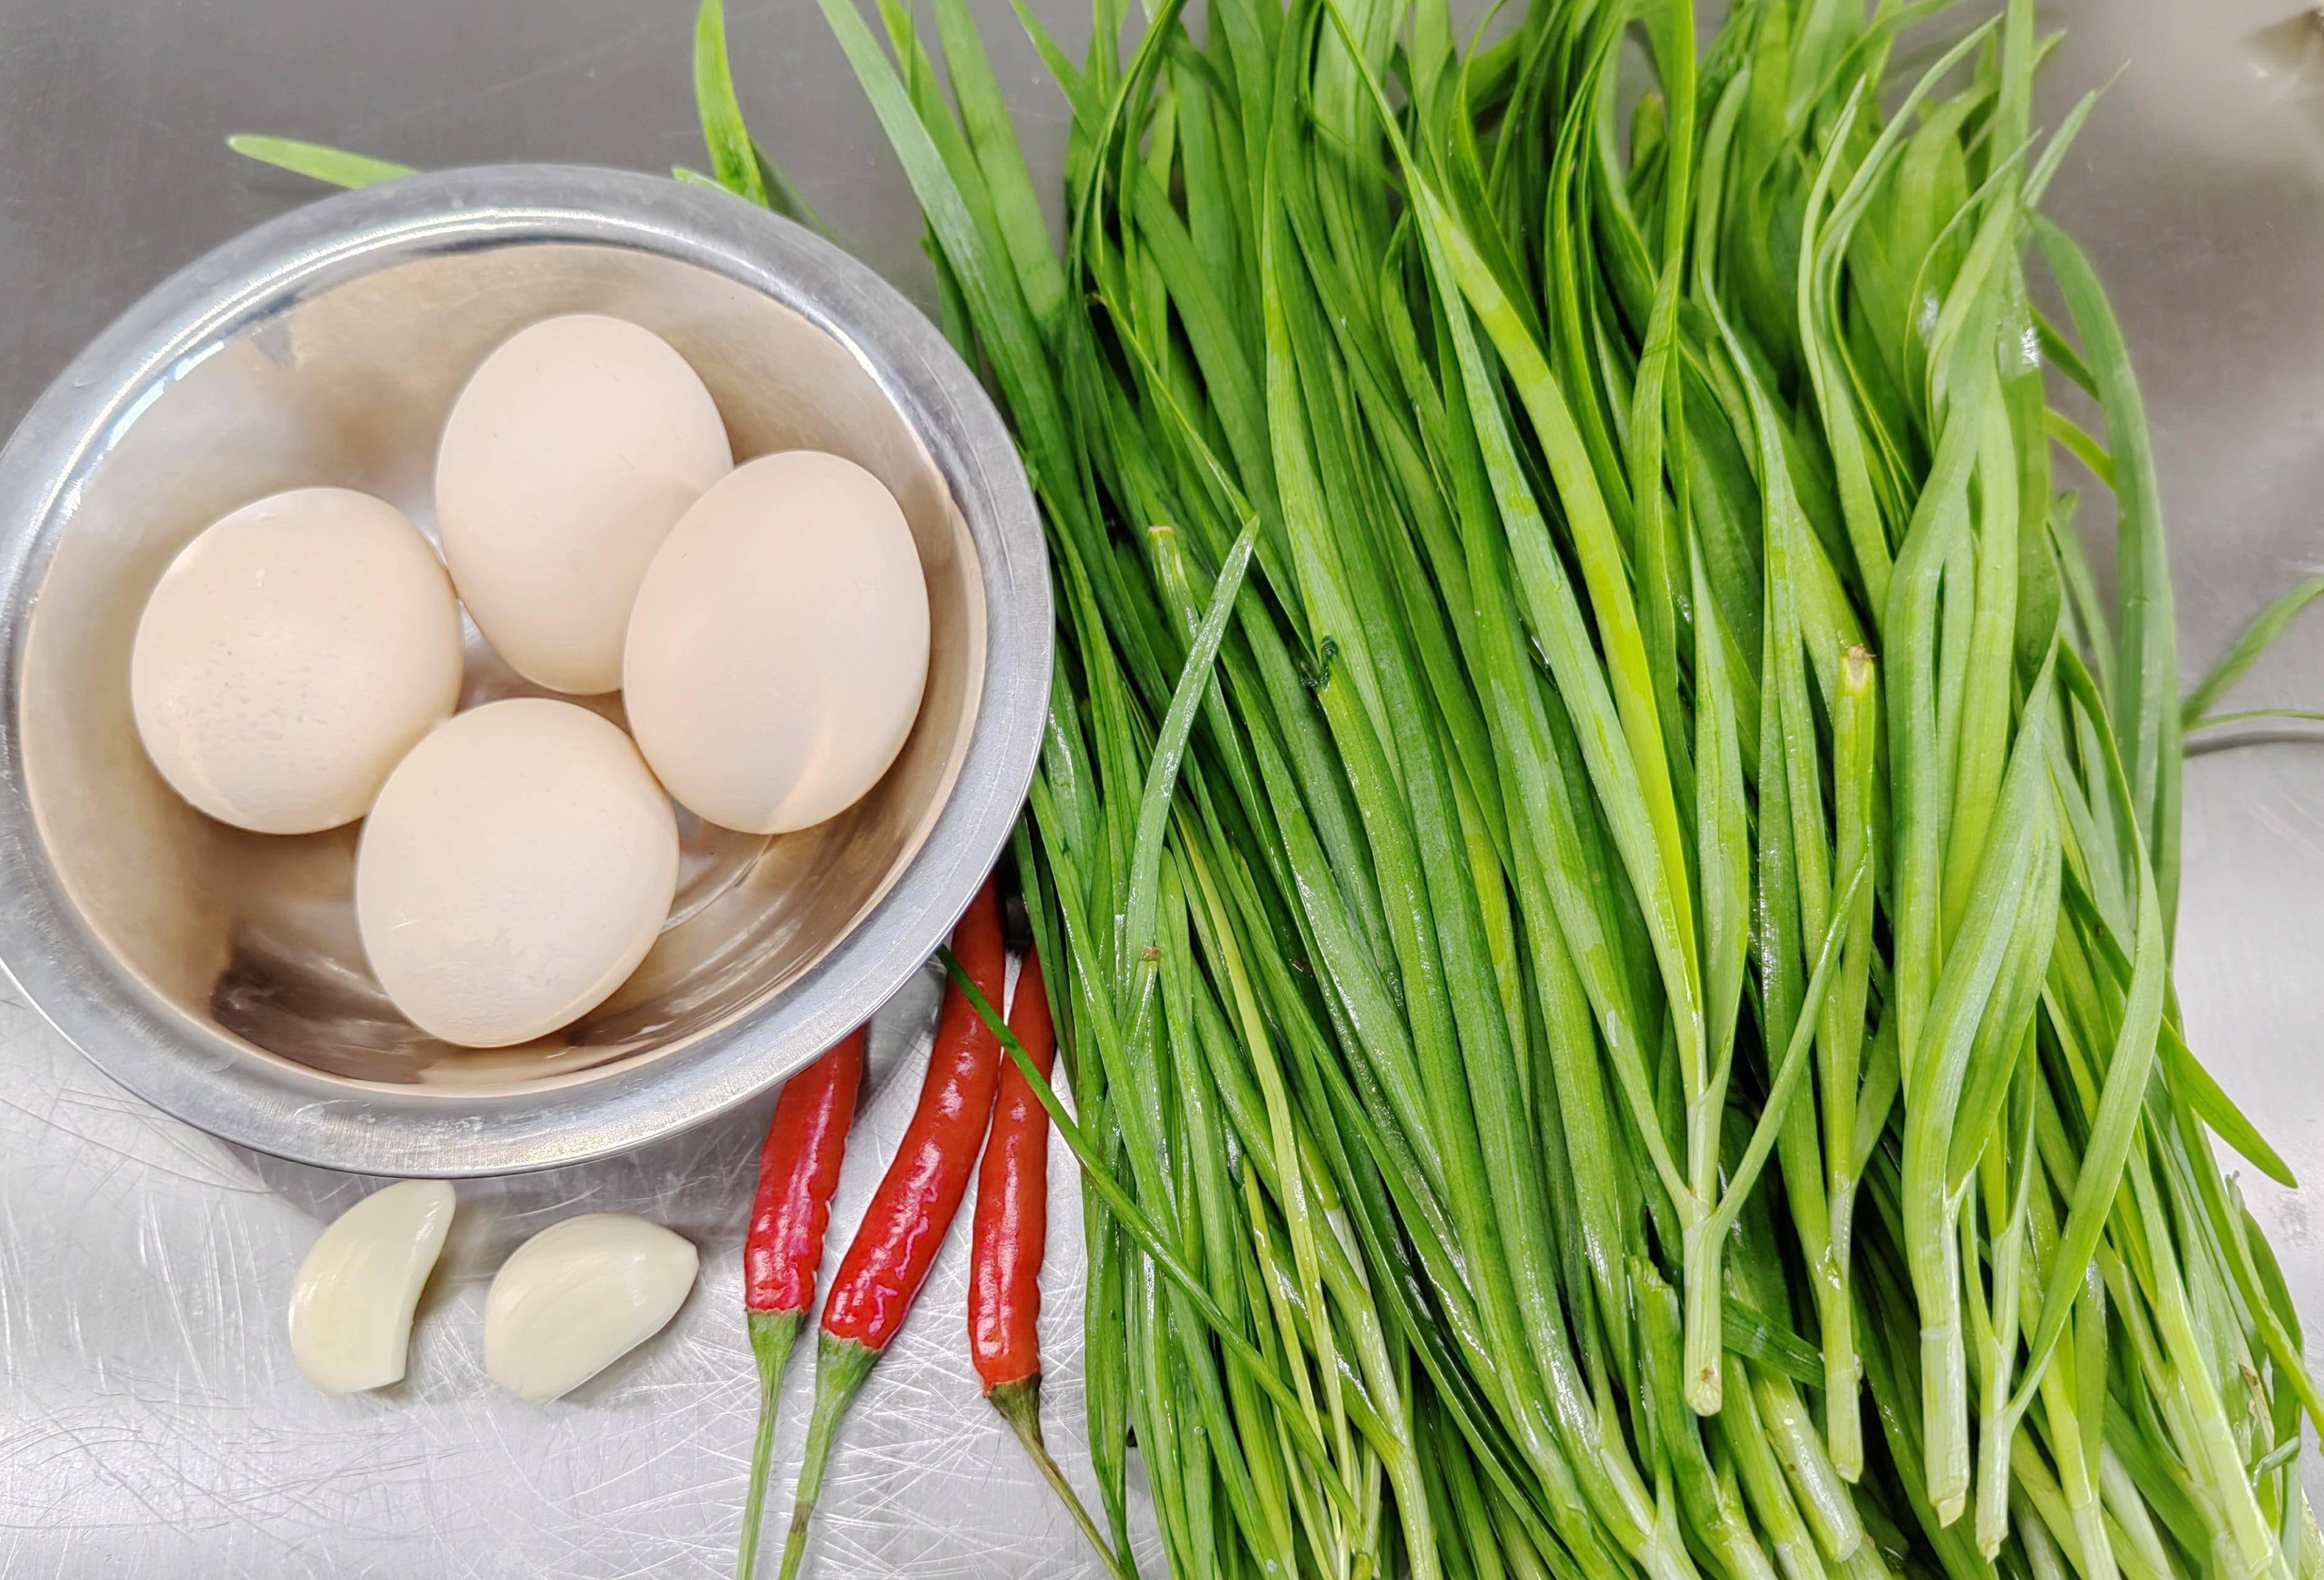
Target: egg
<point>515,870</point>
<point>779,645</point>
<point>291,656</point>
<point>567,457</point>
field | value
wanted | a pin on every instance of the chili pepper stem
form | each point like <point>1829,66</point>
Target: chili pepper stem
<point>1020,1404</point>
<point>841,1365</point>
<point>773,1334</point>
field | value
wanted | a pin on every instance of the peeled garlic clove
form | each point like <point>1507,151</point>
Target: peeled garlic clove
<point>579,1296</point>
<point>351,1309</point>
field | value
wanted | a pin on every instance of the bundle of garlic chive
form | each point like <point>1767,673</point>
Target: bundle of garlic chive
<point>1611,871</point>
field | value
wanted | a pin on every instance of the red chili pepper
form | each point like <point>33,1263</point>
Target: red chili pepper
<point>906,1223</point>
<point>798,1169</point>
<point>1009,1237</point>
<point>1011,1227</point>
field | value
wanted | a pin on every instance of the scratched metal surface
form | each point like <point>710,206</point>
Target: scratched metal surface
<point>154,1423</point>
<point>150,1421</point>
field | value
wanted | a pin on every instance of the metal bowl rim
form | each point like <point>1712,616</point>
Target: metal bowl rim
<point>71,979</point>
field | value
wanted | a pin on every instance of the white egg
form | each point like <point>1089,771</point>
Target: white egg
<point>779,645</point>
<point>515,870</point>
<point>291,656</point>
<point>568,456</point>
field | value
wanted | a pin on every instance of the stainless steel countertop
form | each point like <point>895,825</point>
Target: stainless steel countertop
<point>150,1421</point>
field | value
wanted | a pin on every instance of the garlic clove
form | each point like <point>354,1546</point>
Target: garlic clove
<point>579,1296</point>
<point>351,1307</point>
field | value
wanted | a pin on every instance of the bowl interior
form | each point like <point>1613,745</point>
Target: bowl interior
<point>250,939</point>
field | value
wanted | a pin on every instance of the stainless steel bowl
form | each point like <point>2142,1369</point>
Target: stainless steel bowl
<point>218,972</point>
